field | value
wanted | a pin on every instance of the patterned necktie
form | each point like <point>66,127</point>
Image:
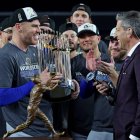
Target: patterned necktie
<point>126,61</point>
<point>122,69</point>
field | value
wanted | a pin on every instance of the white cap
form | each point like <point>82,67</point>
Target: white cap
<point>112,33</point>
<point>88,27</point>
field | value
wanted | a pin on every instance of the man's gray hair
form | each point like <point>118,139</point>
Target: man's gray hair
<point>130,19</point>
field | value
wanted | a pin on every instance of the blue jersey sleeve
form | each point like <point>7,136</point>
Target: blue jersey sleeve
<point>10,95</point>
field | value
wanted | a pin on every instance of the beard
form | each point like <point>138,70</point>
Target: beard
<point>72,46</point>
<point>72,49</point>
<point>85,50</point>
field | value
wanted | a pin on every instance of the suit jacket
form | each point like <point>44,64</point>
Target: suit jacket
<point>127,106</point>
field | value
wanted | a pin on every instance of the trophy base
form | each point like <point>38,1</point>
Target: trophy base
<point>62,92</point>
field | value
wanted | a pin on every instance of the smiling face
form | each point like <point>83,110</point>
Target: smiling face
<point>122,35</point>
<point>29,32</point>
<point>89,41</point>
<point>115,50</point>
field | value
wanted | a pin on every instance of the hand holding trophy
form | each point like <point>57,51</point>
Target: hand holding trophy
<point>59,86</point>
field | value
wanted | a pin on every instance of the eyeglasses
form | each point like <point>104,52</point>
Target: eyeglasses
<point>8,31</point>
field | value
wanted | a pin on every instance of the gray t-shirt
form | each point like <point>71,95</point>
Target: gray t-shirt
<point>16,68</point>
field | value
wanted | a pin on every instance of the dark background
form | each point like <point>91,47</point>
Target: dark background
<point>66,5</point>
<point>103,11</point>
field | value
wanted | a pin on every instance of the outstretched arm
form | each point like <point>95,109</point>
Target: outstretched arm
<point>11,95</point>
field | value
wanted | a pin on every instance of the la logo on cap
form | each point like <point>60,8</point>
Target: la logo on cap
<point>89,26</point>
<point>19,17</point>
<point>30,13</point>
<point>86,26</point>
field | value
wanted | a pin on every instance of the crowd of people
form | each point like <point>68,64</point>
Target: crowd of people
<point>104,104</point>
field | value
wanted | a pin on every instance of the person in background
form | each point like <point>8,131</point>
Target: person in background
<point>67,31</point>
<point>115,51</point>
<point>5,36</point>
<point>80,126</point>
<point>5,31</point>
<point>118,55</point>
<point>47,26</point>
<point>80,14</point>
<point>18,66</point>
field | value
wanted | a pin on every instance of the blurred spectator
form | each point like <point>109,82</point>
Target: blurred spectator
<point>5,31</point>
<point>80,14</point>
<point>115,50</point>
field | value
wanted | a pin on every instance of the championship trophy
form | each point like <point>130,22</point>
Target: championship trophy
<point>54,54</point>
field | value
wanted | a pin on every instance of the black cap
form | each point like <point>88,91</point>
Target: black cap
<point>46,21</point>
<point>82,7</point>
<point>6,23</point>
<point>23,14</point>
<point>68,26</point>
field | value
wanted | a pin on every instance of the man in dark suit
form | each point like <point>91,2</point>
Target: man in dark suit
<point>127,97</point>
<point>127,109</point>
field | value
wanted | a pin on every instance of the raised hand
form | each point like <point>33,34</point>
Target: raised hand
<point>109,69</point>
<point>91,61</point>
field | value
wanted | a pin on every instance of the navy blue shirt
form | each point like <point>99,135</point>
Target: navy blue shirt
<point>94,112</point>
